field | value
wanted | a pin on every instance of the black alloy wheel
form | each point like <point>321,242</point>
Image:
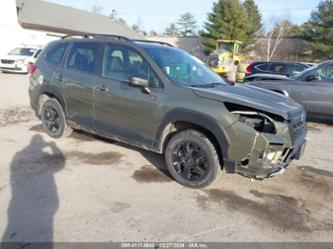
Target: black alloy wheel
<point>190,161</point>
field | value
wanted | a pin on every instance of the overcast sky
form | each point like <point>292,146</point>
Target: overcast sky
<point>157,14</point>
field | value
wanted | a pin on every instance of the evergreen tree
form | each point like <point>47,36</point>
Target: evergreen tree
<point>228,20</point>
<point>172,30</point>
<point>255,21</point>
<point>318,31</point>
<point>187,24</point>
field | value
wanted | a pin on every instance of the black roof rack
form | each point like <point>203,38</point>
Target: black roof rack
<point>158,42</point>
<point>104,36</point>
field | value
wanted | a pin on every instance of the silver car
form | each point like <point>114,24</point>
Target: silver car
<point>312,88</point>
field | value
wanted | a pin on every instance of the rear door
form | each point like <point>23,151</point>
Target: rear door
<point>122,110</point>
<point>51,59</point>
<point>78,77</point>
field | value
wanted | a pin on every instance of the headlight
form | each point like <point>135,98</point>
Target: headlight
<point>272,155</point>
<point>258,121</point>
<point>20,61</point>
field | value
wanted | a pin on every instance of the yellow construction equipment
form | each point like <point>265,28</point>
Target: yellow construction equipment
<point>226,53</point>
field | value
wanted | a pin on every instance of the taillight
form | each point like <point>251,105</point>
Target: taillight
<point>32,68</point>
<point>249,68</point>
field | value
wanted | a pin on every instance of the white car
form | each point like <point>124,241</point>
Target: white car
<point>18,60</point>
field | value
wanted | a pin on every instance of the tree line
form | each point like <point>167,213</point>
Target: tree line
<point>236,20</point>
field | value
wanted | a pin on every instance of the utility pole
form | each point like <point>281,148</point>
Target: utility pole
<point>114,15</point>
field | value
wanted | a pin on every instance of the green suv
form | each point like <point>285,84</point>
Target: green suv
<point>160,98</point>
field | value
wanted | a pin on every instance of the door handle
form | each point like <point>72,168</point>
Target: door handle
<point>102,88</point>
<point>59,77</point>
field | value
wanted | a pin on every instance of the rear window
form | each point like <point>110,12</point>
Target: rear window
<point>83,57</point>
<point>56,53</point>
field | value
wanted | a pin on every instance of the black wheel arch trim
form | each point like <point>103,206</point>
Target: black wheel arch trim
<point>197,119</point>
<point>52,91</point>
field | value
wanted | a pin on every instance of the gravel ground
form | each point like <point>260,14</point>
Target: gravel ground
<point>87,189</point>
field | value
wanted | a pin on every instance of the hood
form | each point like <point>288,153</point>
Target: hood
<point>14,57</point>
<point>253,97</point>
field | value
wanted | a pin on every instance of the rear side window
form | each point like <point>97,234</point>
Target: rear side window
<point>83,57</point>
<point>262,67</point>
<point>55,54</point>
<point>277,68</point>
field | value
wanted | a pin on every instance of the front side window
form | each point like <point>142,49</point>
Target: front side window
<point>55,54</point>
<point>183,68</point>
<point>120,63</point>
<point>325,73</point>
<point>83,57</point>
<point>296,68</point>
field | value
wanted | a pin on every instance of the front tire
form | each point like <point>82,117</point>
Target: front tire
<point>54,120</point>
<point>192,159</point>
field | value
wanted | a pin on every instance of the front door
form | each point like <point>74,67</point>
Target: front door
<point>123,111</point>
<point>315,92</point>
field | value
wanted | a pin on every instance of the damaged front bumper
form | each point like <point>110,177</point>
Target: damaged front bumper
<point>272,162</point>
<point>270,153</point>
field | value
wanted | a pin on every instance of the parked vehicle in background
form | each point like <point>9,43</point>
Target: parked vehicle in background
<point>312,88</point>
<point>18,60</point>
<point>264,69</point>
<point>160,98</point>
<point>264,77</point>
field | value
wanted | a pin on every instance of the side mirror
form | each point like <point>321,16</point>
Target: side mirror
<point>311,77</point>
<point>139,81</point>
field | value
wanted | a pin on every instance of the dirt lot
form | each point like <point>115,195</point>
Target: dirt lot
<point>87,189</point>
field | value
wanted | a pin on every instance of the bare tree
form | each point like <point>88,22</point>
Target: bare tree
<point>96,8</point>
<point>275,36</point>
<point>138,27</point>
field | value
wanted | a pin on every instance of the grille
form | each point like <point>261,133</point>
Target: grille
<point>7,61</point>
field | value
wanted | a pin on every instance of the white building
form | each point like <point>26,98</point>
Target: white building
<point>12,34</point>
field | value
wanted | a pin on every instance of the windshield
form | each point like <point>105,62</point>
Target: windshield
<point>183,68</point>
<point>225,47</point>
<point>23,51</point>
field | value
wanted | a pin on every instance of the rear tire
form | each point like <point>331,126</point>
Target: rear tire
<point>54,120</point>
<point>192,159</point>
